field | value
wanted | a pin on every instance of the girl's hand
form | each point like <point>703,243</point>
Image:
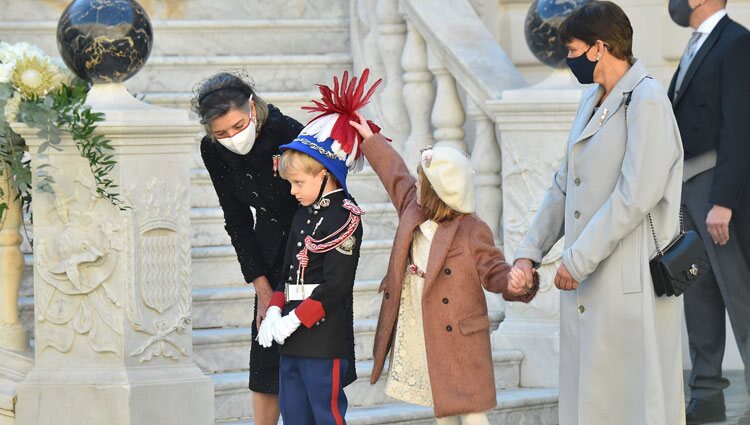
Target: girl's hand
<point>362,126</point>
<point>517,282</point>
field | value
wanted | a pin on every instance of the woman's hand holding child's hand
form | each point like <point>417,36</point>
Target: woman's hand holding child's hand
<point>362,127</point>
<point>521,281</point>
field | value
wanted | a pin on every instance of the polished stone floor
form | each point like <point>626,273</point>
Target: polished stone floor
<point>736,397</point>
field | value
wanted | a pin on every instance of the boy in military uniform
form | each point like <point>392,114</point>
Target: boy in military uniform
<point>310,315</point>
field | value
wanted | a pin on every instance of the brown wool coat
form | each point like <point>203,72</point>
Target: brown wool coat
<point>463,259</point>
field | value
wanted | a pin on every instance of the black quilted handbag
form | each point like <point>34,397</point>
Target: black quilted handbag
<point>683,262</point>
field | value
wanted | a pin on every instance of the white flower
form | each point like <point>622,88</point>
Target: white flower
<point>11,107</point>
<point>22,49</point>
<point>6,70</point>
<point>6,53</point>
<point>35,77</point>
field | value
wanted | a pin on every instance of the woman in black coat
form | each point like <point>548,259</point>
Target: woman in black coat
<point>243,134</point>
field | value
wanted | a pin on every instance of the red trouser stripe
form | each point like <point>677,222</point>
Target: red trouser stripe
<point>335,392</point>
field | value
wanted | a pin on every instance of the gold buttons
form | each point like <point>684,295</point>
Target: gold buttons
<point>581,309</point>
<point>577,214</point>
<point>577,181</point>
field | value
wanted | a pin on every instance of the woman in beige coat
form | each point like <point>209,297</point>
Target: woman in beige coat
<point>434,312</point>
<point>620,349</point>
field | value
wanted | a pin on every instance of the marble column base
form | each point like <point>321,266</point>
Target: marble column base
<point>14,337</point>
<point>540,344</point>
<point>178,395</point>
<point>118,105</point>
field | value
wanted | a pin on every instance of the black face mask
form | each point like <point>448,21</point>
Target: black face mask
<point>680,11</point>
<point>582,67</point>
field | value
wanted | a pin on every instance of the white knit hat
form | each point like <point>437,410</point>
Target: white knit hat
<point>449,172</point>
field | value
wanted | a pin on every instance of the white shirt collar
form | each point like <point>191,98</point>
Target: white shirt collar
<point>333,191</point>
<point>428,228</point>
<point>709,24</point>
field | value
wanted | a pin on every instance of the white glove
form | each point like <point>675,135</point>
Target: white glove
<point>284,327</point>
<point>265,337</point>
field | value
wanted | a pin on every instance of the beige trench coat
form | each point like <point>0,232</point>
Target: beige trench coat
<point>620,345</point>
<point>463,259</point>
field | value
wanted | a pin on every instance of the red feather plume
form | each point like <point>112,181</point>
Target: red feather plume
<point>345,99</point>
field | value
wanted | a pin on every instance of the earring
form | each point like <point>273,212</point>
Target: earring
<point>598,58</point>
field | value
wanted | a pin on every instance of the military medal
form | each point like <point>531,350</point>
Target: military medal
<point>276,159</point>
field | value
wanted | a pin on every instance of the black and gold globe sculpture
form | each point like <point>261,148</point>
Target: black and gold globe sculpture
<point>104,41</point>
<point>542,29</point>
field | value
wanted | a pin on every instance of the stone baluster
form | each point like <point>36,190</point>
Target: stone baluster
<point>447,113</point>
<point>392,35</point>
<point>486,161</point>
<point>12,334</point>
<point>418,93</point>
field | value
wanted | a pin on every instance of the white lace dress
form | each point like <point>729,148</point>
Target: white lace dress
<point>408,379</point>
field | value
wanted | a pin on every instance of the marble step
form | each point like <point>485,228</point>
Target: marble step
<point>290,102</point>
<point>232,306</point>
<point>364,186</point>
<point>519,406</point>
<point>222,350</point>
<point>247,36</point>
<point>271,72</point>
<point>193,9</point>
<point>207,224</point>
<point>232,397</point>
<point>214,266</point>
<point>232,394</point>
<point>218,307</point>
<point>13,368</point>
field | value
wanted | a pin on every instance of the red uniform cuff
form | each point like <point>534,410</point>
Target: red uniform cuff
<point>310,312</point>
<point>277,300</point>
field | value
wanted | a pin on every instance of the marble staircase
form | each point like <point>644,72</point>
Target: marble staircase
<point>287,47</point>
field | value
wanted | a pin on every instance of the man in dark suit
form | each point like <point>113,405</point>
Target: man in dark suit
<point>710,93</point>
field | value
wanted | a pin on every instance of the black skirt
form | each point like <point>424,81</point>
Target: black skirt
<point>264,363</point>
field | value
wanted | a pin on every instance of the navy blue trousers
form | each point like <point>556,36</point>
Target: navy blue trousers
<point>311,391</point>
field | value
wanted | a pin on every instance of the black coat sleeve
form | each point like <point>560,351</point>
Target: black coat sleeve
<point>731,172</point>
<point>238,218</point>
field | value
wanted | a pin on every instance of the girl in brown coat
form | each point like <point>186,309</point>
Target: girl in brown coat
<point>434,312</point>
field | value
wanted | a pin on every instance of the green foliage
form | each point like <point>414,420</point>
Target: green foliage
<point>61,112</point>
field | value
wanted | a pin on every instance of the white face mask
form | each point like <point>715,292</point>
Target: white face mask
<point>242,142</point>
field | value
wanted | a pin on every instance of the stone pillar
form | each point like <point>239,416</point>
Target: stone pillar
<point>419,94</point>
<point>392,35</point>
<point>448,115</point>
<point>486,160</point>
<point>533,125</point>
<point>13,336</point>
<point>112,288</point>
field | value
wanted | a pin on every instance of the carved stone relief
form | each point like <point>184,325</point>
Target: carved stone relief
<point>159,304</point>
<point>87,243</point>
